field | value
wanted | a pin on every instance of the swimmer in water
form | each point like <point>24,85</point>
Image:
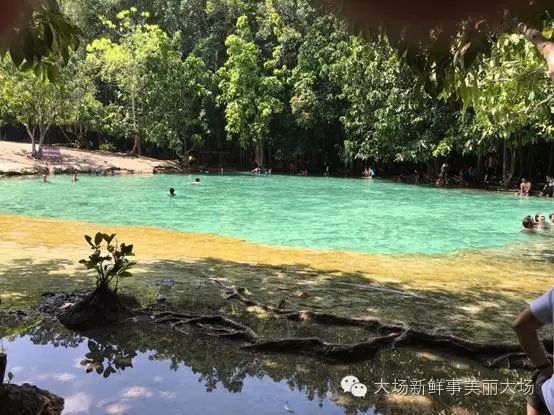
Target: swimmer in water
<point>196,181</point>
<point>43,178</point>
<point>528,223</point>
<point>74,178</point>
<point>171,192</point>
<point>540,221</point>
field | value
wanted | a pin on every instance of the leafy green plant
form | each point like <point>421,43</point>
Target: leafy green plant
<point>110,260</point>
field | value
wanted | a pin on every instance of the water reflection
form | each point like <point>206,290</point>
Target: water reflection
<point>141,369</point>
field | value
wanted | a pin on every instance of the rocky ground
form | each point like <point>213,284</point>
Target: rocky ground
<point>16,160</point>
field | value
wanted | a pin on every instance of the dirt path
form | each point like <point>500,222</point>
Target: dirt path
<point>15,159</point>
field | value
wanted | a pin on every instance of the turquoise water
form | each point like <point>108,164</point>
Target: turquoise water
<point>323,213</point>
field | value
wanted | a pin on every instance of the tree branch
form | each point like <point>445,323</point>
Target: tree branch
<point>544,46</point>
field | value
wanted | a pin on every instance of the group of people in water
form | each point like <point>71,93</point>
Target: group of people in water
<point>538,222</point>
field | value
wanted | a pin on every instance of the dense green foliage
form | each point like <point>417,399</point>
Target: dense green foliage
<point>278,84</point>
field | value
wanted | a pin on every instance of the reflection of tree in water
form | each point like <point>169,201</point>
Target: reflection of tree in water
<point>219,363</point>
<point>52,333</point>
<point>107,359</point>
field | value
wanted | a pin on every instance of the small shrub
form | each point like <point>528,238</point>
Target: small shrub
<point>107,147</point>
<point>110,260</point>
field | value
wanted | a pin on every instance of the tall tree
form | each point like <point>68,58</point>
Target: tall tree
<point>178,100</point>
<point>123,64</point>
<point>40,104</point>
<point>250,97</point>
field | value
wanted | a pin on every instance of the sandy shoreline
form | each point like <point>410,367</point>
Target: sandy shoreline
<point>16,160</point>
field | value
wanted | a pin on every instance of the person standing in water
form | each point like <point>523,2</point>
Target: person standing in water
<point>74,178</point>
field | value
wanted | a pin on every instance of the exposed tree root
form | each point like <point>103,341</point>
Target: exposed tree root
<point>218,326</point>
<point>492,355</point>
<point>489,354</point>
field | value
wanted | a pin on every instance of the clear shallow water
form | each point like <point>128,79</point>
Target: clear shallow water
<point>157,381</point>
<point>155,372</point>
<point>323,213</point>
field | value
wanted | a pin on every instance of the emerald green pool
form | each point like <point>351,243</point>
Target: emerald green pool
<point>323,213</point>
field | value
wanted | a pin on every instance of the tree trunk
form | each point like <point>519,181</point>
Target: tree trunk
<point>43,130</point>
<point>531,162</point>
<point>136,144</point>
<point>504,165</point>
<point>511,173</point>
<point>260,155</point>
<point>31,134</point>
<point>550,160</point>
<point>523,166</point>
<point>184,151</point>
<point>479,168</point>
<point>544,46</point>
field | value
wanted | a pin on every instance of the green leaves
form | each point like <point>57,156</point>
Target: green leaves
<point>250,96</point>
<point>108,260</point>
<point>44,37</point>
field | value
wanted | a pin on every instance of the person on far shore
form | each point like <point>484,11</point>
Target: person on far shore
<point>443,176</point>
<point>368,173</point>
<point>171,192</point>
<point>548,189</point>
<point>44,178</point>
<point>524,188</point>
<point>75,178</point>
<point>196,181</point>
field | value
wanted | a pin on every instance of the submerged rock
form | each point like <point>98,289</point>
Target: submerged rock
<point>28,400</point>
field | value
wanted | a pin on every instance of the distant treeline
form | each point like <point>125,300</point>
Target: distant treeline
<point>280,84</point>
